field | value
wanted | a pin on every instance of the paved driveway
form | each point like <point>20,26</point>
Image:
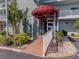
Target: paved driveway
<point>4,54</point>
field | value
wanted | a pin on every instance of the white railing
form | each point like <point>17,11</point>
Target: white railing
<point>63,13</point>
<point>46,40</point>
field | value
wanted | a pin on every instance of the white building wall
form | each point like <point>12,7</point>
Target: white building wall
<point>67,25</point>
<point>23,4</point>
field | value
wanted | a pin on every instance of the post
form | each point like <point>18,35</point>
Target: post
<point>57,25</point>
<point>32,27</point>
<point>38,28</point>
<point>54,40</point>
<point>47,25</point>
<point>6,4</point>
<point>55,44</point>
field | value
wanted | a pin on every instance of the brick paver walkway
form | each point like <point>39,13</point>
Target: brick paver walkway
<point>35,48</point>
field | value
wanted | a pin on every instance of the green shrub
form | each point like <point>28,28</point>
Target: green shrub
<point>5,40</point>
<point>3,33</point>
<point>59,36</point>
<point>21,38</point>
<point>72,34</point>
<point>65,32</point>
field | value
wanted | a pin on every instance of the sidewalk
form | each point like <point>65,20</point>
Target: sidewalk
<point>68,49</point>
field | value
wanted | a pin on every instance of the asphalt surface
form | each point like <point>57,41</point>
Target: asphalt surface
<point>5,54</point>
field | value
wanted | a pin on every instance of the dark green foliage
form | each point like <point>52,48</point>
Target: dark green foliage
<point>5,40</point>
<point>65,32</point>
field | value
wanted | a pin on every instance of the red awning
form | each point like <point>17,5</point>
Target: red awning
<point>43,10</point>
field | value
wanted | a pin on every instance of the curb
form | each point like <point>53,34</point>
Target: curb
<point>17,50</point>
<point>11,49</point>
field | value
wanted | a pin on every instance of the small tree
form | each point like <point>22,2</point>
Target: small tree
<point>77,25</point>
<point>11,17</point>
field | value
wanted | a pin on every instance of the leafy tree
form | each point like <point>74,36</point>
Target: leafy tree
<point>15,16</point>
<point>20,15</point>
<point>77,25</point>
<point>19,18</point>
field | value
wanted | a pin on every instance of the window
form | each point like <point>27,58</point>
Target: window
<point>67,22</point>
<point>74,8</point>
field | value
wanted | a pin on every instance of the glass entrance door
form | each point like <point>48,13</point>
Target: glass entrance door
<point>49,26</point>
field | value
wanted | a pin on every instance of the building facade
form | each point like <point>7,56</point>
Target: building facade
<point>68,12</point>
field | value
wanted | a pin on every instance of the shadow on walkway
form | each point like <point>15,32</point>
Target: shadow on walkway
<point>71,39</point>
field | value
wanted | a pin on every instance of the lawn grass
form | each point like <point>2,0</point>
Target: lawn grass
<point>76,36</point>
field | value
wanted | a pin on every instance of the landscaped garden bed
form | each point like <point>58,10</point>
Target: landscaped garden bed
<point>15,41</point>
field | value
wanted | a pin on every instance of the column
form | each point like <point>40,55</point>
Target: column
<point>57,25</point>
<point>47,25</point>
<point>38,29</point>
<point>6,3</point>
<point>32,27</point>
